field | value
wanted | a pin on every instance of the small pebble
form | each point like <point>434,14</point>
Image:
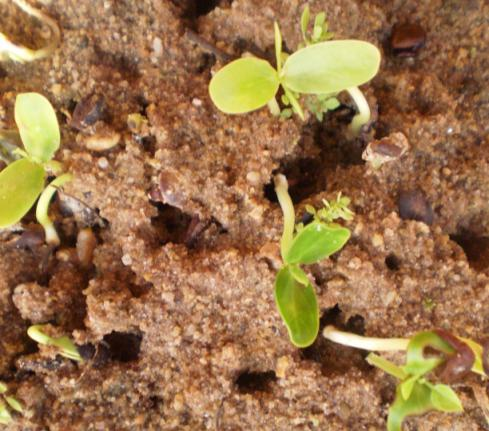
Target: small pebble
<point>126,260</point>
<point>102,142</point>
<point>103,163</point>
<point>85,245</point>
<point>196,102</point>
<point>88,111</point>
<point>413,205</point>
<point>407,39</point>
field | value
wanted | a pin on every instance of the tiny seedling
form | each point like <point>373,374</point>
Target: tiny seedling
<point>66,347</point>
<point>303,245</point>
<point>21,54</point>
<point>323,68</point>
<point>5,402</point>
<point>23,180</point>
<point>454,357</point>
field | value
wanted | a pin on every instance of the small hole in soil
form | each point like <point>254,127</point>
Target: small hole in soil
<point>392,262</point>
<point>138,290</point>
<point>249,382</point>
<point>124,346</point>
<point>333,357</point>
<point>171,224</point>
<point>476,248</point>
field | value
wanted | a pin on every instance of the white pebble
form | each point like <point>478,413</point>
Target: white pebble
<point>157,47</point>
<point>103,163</point>
<point>126,260</point>
<point>196,102</point>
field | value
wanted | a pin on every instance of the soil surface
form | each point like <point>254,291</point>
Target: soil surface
<point>175,312</point>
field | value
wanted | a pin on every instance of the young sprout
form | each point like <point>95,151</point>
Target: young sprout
<point>294,294</point>
<point>321,69</point>
<point>23,180</point>
<point>64,344</point>
<point>9,50</point>
<point>5,402</point>
<point>415,393</point>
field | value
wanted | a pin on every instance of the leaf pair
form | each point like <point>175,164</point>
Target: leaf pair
<point>22,181</point>
<point>328,67</point>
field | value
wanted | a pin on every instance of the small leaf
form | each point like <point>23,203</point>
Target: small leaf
<point>479,353</point>
<point>330,67</point>
<point>332,103</point>
<point>20,185</point>
<point>418,403</point>
<point>386,366</point>
<point>12,402</point>
<point>5,416</point>
<point>407,386</point>
<point>445,399</point>
<point>297,304</point>
<point>318,26</point>
<point>38,125</point>
<point>305,17</point>
<point>243,85</point>
<point>299,275</point>
<point>278,46</point>
<point>315,242</point>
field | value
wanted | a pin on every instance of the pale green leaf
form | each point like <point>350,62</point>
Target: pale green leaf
<point>478,351</point>
<point>278,46</point>
<point>20,185</point>
<point>5,416</point>
<point>16,405</point>
<point>38,125</point>
<point>418,403</point>
<point>299,275</point>
<point>330,67</point>
<point>386,366</point>
<point>305,17</point>
<point>297,304</point>
<point>445,399</point>
<point>407,386</point>
<point>243,85</point>
<point>315,242</point>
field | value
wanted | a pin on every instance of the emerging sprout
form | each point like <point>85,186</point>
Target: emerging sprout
<point>415,393</point>
<point>66,347</point>
<point>322,69</point>
<point>9,50</point>
<point>5,402</point>
<point>294,294</point>
<point>22,182</point>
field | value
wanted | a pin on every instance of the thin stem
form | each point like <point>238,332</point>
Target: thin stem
<point>21,53</point>
<point>281,189</point>
<point>43,207</point>
<point>363,116</point>
<point>206,46</point>
<point>366,343</point>
<point>294,102</point>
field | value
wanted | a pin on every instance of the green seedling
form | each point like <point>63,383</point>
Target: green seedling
<point>21,54</point>
<point>5,402</point>
<point>322,69</point>
<point>416,394</point>
<point>302,245</point>
<point>23,180</point>
<point>66,347</point>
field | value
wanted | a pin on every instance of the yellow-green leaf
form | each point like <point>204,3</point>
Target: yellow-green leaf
<point>445,399</point>
<point>243,85</point>
<point>20,185</point>
<point>38,125</point>
<point>297,304</point>
<point>330,67</point>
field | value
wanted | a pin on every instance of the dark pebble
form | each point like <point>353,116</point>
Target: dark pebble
<point>88,111</point>
<point>86,351</point>
<point>413,205</point>
<point>407,39</point>
<point>30,239</point>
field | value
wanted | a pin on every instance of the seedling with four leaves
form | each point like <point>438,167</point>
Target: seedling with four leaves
<point>303,245</point>
<point>323,69</point>
<point>23,180</point>
<point>416,394</point>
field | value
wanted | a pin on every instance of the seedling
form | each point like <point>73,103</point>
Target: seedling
<point>23,181</point>
<point>9,50</point>
<point>322,68</point>
<point>294,294</point>
<point>66,347</point>
<point>5,402</point>
<point>415,394</point>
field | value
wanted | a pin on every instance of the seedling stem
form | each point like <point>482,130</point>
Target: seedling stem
<point>363,116</point>
<point>281,189</point>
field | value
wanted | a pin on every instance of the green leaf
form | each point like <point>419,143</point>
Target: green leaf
<point>445,399</point>
<point>38,125</point>
<point>386,365</point>
<point>418,403</point>
<point>12,402</point>
<point>299,275</point>
<point>305,17</point>
<point>278,47</point>
<point>315,242</point>
<point>407,386</point>
<point>20,185</point>
<point>294,103</point>
<point>5,416</point>
<point>330,67</point>
<point>297,304</point>
<point>477,349</point>
<point>243,85</point>
<point>318,26</point>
